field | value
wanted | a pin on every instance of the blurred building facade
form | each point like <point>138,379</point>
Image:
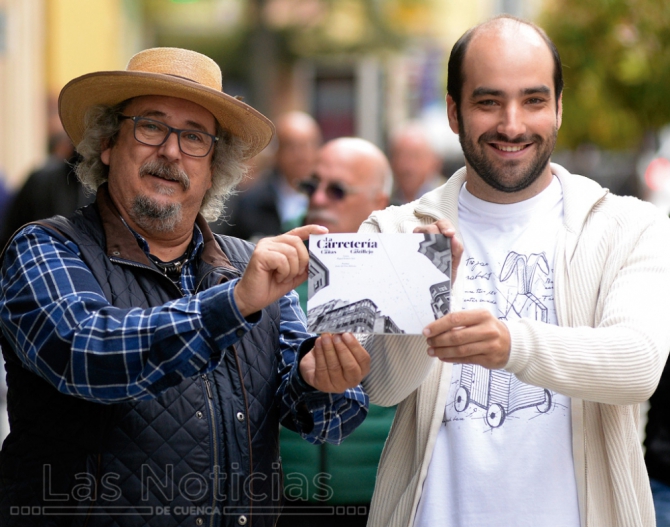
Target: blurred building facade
<point>43,45</point>
<point>350,86</point>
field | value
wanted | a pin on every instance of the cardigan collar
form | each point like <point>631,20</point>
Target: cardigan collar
<point>580,196</point>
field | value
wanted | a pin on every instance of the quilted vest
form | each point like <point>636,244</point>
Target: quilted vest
<point>204,452</point>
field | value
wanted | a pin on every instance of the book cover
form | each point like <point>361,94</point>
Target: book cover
<point>377,283</point>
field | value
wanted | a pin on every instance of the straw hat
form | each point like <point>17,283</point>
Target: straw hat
<point>172,72</point>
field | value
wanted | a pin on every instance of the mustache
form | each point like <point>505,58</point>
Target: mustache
<point>494,136</point>
<point>165,171</point>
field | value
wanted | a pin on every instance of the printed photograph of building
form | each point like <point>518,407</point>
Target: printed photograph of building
<point>338,316</point>
<point>399,284</point>
<point>441,294</point>
<point>438,250</point>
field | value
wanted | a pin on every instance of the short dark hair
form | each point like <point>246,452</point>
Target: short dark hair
<point>455,77</point>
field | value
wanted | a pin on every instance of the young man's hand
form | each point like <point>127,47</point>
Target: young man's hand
<point>445,227</point>
<point>469,337</point>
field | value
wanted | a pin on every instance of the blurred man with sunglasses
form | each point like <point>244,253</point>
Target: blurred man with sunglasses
<point>351,180</point>
<point>150,362</point>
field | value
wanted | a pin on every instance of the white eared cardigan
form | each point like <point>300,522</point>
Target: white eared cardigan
<point>612,296</point>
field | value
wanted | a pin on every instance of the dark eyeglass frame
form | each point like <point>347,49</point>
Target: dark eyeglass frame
<point>335,190</point>
<point>171,130</point>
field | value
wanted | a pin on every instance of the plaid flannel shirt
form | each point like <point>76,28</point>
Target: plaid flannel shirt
<point>59,323</point>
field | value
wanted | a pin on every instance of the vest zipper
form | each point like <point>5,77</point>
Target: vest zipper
<point>215,450</point>
<point>205,379</point>
<point>142,266</point>
<point>97,482</point>
<point>248,420</point>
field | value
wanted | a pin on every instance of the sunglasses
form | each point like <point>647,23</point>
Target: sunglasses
<point>334,191</point>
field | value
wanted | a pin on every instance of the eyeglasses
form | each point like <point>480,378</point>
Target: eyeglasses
<point>334,190</point>
<point>194,143</point>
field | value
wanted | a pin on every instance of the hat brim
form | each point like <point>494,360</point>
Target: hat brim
<point>113,87</point>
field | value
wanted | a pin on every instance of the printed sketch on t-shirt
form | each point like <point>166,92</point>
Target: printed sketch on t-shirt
<point>522,302</point>
<point>498,392</point>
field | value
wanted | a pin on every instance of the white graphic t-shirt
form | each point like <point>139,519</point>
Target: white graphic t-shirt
<point>503,455</point>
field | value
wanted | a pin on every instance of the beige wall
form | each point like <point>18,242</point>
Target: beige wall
<point>82,36</point>
<point>22,103</point>
<point>46,44</point>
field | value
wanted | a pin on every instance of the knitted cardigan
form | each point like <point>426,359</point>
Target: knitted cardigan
<point>612,286</point>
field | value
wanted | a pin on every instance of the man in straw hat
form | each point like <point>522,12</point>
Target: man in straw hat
<point>149,362</point>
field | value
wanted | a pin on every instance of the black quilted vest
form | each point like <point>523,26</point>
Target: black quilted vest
<point>204,452</point>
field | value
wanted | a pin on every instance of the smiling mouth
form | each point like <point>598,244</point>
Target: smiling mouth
<point>510,148</point>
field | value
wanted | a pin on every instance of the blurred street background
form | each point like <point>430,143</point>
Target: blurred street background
<point>359,67</point>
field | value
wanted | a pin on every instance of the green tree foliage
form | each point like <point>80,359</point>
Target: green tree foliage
<point>269,36</point>
<point>616,58</point>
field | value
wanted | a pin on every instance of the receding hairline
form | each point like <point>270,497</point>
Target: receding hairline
<point>503,24</point>
<point>296,120</point>
<point>361,149</point>
<point>458,56</point>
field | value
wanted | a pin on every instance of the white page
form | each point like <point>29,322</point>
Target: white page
<point>387,269</point>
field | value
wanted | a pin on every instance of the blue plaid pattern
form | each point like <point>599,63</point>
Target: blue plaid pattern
<point>58,321</point>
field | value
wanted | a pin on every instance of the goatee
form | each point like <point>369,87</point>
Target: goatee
<point>510,176</point>
<point>153,216</point>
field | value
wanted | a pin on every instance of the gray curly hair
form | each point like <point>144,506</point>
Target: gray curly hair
<point>103,125</point>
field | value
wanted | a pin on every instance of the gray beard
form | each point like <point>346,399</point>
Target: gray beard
<point>153,217</point>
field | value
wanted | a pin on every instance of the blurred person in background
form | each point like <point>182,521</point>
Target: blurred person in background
<point>657,448</point>
<point>334,485</point>
<point>5,199</point>
<point>49,190</point>
<point>352,178</point>
<point>259,168</point>
<point>415,163</point>
<point>274,205</point>
<point>6,196</point>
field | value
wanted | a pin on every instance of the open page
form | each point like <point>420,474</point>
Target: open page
<point>377,283</point>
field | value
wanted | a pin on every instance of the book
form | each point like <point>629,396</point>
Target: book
<point>377,283</point>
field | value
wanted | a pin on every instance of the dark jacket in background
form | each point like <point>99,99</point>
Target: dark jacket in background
<point>657,440</point>
<point>253,212</point>
<point>49,191</point>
